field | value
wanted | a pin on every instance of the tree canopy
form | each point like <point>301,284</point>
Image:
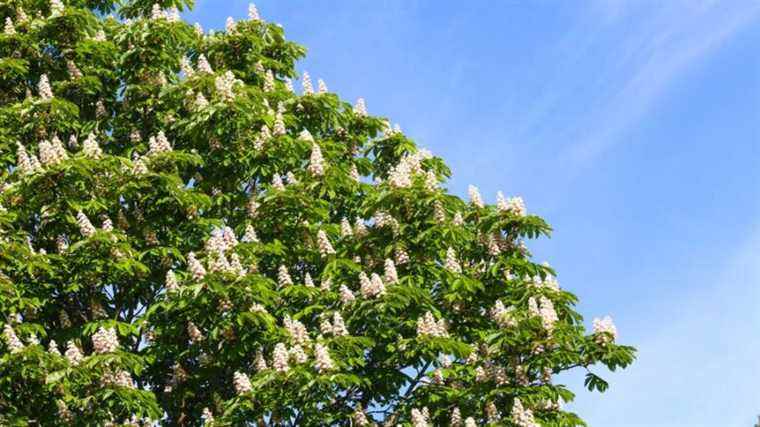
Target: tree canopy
<point>187,240</point>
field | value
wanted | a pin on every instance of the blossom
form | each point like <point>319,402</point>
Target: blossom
<point>298,355</point>
<point>548,314</point>
<point>100,36</point>
<point>250,235</point>
<point>203,65</point>
<point>277,183</point>
<point>308,89</point>
<point>451,262</point>
<point>359,417</point>
<point>428,326</point>
<point>470,422</point>
<point>316,162</point>
<point>373,287</point>
<point>225,84</point>
<point>297,331</point>
<point>325,247</point>
<point>359,228</point>
<point>402,257</point>
<point>420,417</point>
<point>105,340</point>
<point>260,362</point>
<point>85,226</point>
<point>502,315</point>
<point>279,125</point>
<point>458,220</point>
<point>43,87</point>
<point>338,325</point>
<point>171,283</point>
<point>195,267</point>
<point>186,66</point>
<point>456,417</point>
<point>158,144</point>
<point>323,361</point>
<point>321,86</point>
<point>53,348</point>
<point>74,71</point>
<point>241,383</point>
<point>522,416</point>
<point>391,276</point>
<point>604,330</point>
<point>253,13</point>
<point>345,228</point>
<point>475,198</point>
<point>156,12</point>
<point>195,334</point>
<point>307,280</point>
<point>198,29</point>
<point>9,29</point>
<point>346,296</point>
<point>90,147</point>
<point>230,25</point>
<point>283,277</point>
<point>280,358</point>
<point>52,153</point>
<point>73,354</point>
<point>360,108</point>
<point>56,8</point>
<point>269,81</point>
<point>14,343</point>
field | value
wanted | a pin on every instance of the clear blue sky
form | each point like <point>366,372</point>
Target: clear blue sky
<point>631,126</point>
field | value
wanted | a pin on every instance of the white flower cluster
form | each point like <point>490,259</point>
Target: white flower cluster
<point>269,81</point>
<point>225,85</point>
<point>85,226</point>
<point>241,382</point>
<point>308,89</point>
<point>321,86</point>
<point>195,334</point>
<point>516,205</point>
<point>250,235</point>
<point>297,331</point>
<point>316,161</point>
<point>74,71</point>
<point>428,326</point>
<point>283,277</point>
<point>360,108</point>
<point>604,330</point>
<point>43,88</point>
<point>323,361</point>
<point>390,274</point>
<point>475,198</point>
<point>451,263</point>
<point>544,308</point>
<point>280,358</point>
<point>9,29</point>
<point>56,8</point>
<point>118,378</point>
<point>230,26</point>
<point>73,354</point>
<point>90,147</point>
<point>105,340</point>
<point>502,315</point>
<point>346,296</point>
<point>171,283</point>
<point>253,13</point>
<point>384,219</point>
<point>53,152</point>
<point>171,15</point>
<point>325,247</point>
<point>158,144</point>
<point>522,416</point>
<point>14,343</point>
<point>371,287</point>
<point>195,267</point>
<point>420,417</point>
<point>359,417</point>
<point>400,176</point>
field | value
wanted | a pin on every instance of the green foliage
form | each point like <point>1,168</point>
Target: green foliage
<point>385,293</point>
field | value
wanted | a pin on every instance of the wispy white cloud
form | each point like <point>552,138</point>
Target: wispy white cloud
<point>678,36</point>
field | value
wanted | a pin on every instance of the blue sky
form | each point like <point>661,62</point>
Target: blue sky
<point>631,126</point>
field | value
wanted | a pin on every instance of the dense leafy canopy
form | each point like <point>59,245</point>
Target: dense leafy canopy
<point>259,257</point>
